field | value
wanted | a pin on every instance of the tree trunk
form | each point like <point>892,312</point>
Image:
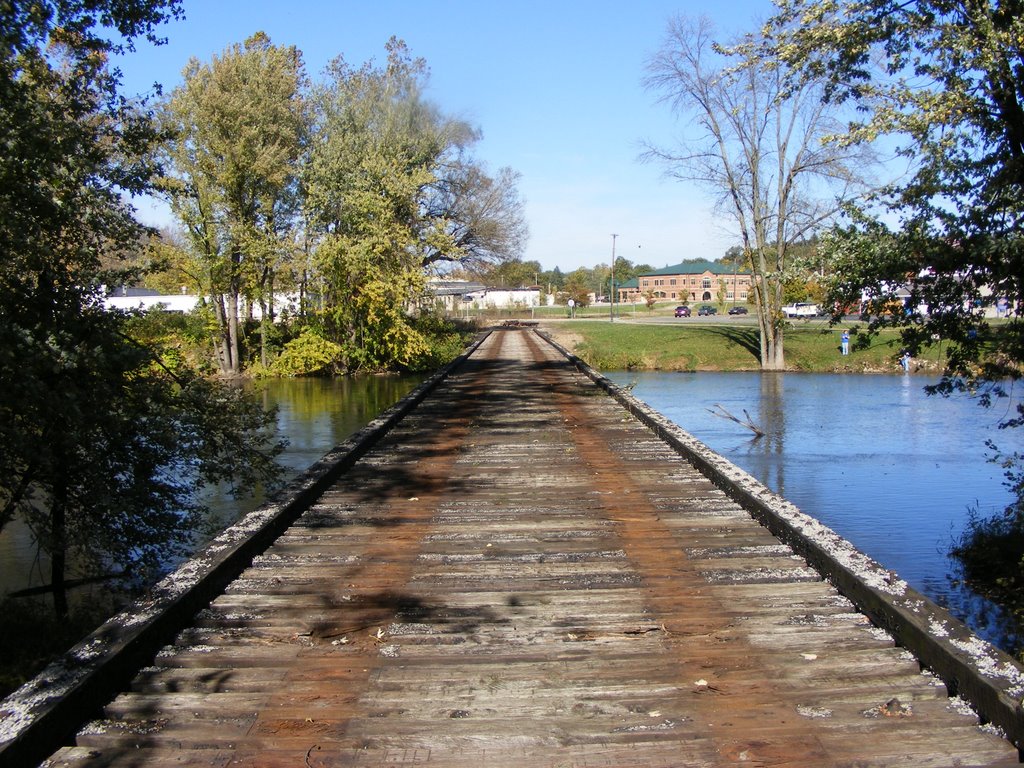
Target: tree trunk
<point>771,338</point>
<point>233,345</point>
<point>767,307</point>
<point>772,354</point>
<point>224,357</point>
<point>264,319</point>
<point>266,315</point>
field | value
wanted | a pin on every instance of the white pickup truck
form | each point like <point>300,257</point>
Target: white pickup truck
<point>801,309</point>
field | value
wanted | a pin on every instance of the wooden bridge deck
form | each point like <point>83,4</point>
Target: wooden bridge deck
<point>522,574</point>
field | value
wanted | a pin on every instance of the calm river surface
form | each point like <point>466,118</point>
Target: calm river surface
<point>886,466</point>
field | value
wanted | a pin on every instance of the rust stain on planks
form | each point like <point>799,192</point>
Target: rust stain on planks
<point>519,573</point>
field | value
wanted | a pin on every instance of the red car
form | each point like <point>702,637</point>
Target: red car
<point>682,311</point>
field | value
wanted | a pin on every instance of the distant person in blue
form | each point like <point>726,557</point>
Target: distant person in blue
<point>905,361</point>
<point>845,341</point>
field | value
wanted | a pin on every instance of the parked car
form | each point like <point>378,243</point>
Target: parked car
<point>682,311</point>
<point>801,309</point>
<point>706,309</point>
<point>737,310</point>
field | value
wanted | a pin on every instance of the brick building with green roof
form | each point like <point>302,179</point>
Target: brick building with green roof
<point>692,281</point>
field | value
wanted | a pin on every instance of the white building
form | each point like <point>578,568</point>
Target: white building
<point>129,299</point>
<point>458,295</point>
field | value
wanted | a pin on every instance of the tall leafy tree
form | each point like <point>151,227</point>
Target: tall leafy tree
<point>512,274</point>
<point>239,126</point>
<point>393,194</point>
<point>375,147</point>
<point>626,270</point>
<point>94,428</point>
<point>758,142</point>
<point>553,279</point>
<point>579,286</point>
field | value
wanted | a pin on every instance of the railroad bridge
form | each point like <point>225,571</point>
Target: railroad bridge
<point>520,565</point>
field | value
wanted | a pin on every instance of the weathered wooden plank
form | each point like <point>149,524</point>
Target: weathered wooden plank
<point>74,757</point>
<point>992,680</point>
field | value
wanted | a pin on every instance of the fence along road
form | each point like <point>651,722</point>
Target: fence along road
<point>520,573</point>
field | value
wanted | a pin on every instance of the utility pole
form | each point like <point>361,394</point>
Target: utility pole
<point>611,285</point>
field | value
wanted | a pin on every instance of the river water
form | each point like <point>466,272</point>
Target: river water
<point>890,468</point>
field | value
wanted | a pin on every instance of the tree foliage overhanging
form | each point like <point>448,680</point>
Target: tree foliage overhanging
<point>104,439</point>
<point>943,84</point>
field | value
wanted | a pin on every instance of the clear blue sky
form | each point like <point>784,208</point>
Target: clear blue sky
<point>555,87</point>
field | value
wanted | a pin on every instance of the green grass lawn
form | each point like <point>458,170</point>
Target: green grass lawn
<point>728,346</point>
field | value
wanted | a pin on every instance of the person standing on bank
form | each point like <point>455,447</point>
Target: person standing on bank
<point>845,342</point>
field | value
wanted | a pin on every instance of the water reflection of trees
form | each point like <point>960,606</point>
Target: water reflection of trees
<point>996,618</point>
<point>989,559</point>
<point>773,423</point>
<point>314,415</point>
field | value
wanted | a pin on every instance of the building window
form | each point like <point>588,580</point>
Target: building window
<point>705,283</point>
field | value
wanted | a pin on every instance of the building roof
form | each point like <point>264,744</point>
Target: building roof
<point>124,290</point>
<point>631,283</point>
<point>454,287</point>
<point>695,268</point>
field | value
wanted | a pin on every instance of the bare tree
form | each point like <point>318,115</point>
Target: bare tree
<point>483,214</point>
<point>760,143</point>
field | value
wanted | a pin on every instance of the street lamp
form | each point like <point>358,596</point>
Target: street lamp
<point>611,285</point>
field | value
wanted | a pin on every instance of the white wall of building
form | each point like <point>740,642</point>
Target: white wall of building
<point>173,302</point>
<point>498,299</point>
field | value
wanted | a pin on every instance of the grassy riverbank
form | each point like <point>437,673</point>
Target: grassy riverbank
<point>728,345</point>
